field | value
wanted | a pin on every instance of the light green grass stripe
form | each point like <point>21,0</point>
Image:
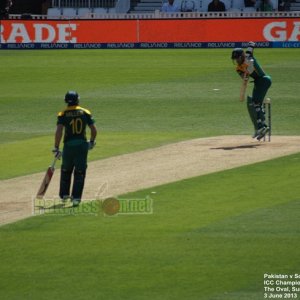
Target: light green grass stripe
<point>193,92</point>
<point>23,157</point>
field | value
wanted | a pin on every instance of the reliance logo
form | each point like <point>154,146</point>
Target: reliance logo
<point>37,33</point>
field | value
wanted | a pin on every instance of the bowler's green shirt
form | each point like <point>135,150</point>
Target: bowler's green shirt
<point>75,119</point>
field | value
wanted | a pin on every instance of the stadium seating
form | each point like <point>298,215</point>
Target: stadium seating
<point>295,5</point>
<point>145,6</point>
<point>249,9</point>
<point>100,10</point>
<point>238,4</point>
<point>54,13</point>
<point>112,10</point>
<point>69,12</point>
<point>83,12</point>
<point>234,10</point>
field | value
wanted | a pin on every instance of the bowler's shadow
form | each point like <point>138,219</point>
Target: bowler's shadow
<point>250,146</point>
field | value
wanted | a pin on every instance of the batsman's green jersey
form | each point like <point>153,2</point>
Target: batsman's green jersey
<point>75,119</point>
<point>262,82</point>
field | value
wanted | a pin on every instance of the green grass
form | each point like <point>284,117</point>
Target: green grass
<point>201,242</point>
<point>154,95</point>
<point>211,237</point>
<point>32,155</point>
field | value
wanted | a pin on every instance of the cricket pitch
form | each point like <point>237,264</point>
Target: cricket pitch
<point>131,172</point>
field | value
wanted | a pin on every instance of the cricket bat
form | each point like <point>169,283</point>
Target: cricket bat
<point>47,178</point>
<point>243,88</point>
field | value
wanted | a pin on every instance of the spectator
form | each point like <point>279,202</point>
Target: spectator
<point>250,3</point>
<point>216,5</point>
<point>170,7</point>
<point>284,5</point>
<point>266,5</point>
<point>187,6</point>
<point>4,8</point>
<point>45,5</point>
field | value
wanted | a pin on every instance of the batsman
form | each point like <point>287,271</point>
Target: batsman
<point>247,66</point>
<point>72,123</point>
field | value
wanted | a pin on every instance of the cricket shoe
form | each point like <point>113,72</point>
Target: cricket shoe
<point>65,199</point>
<point>76,202</point>
<point>255,134</point>
<point>262,132</point>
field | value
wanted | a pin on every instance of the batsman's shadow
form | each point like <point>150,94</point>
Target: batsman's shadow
<point>249,146</point>
<point>58,206</point>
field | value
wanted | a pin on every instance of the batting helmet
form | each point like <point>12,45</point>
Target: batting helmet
<point>72,98</point>
<point>236,53</point>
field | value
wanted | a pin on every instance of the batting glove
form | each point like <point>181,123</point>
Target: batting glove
<point>57,153</point>
<point>91,144</point>
<point>251,44</point>
<point>250,49</point>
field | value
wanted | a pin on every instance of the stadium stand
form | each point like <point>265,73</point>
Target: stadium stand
<point>84,12</point>
<point>295,6</point>
<point>99,7</point>
<point>205,3</point>
<point>120,9</point>
<point>54,13</point>
<point>238,4</point>
<point>69,12</point>
<point>147,6</point>
<point>188,6</point>
<point>86,8</point>
<point>249,9</point>
<point>99,10</point>
<point>112,10</point>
